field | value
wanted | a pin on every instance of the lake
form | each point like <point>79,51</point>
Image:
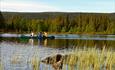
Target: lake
<point>17,53</point>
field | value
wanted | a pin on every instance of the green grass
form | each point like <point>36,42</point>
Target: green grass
<point>1,66</point>
<point>35,63</point>
<point>91,59</point>
<point>81,59</point>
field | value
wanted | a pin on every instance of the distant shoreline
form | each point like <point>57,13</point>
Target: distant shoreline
<point>98,33</point>
<point>57,22</point>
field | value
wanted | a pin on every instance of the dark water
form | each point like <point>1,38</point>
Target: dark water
<point>12,45</point>
<point>64,41</point>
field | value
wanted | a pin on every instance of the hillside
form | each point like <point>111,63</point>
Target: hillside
<point>42,15</point>
<point>59,22</point>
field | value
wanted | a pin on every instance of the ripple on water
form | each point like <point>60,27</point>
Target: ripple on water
<point>23,53</point>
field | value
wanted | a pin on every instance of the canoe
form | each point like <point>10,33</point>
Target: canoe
<point>37,37</point>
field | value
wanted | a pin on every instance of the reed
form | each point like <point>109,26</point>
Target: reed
<point>1,66</point>
<point>16,59</point>
<point>79,59</point>
<point>91,59</point>
<point>35,63</point>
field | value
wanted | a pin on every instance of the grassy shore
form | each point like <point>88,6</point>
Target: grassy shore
<point>90,59</point>
<point>80,59</point>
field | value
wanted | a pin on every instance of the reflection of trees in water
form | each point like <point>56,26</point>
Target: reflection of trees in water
<point>64,43</point>
<point>71,43</point>
<point>95,43</point>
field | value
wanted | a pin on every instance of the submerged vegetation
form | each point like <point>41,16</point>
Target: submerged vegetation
<point>103,23</point>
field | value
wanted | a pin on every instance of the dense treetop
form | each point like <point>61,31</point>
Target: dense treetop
<point>58,22</point>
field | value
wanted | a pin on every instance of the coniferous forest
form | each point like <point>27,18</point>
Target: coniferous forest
<point>58,22</point>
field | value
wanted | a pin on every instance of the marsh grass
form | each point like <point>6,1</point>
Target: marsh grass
<point>35,63</point>
<point>79,59</point>
<point>91,59</point>
<point>32,61</point>
<point>1,66</point>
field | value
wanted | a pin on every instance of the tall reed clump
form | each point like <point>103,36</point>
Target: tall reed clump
<point>1,66</point>
<point>91,59</point>
<point>35,63</point>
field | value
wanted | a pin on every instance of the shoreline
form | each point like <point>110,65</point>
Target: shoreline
<point>79,33</point>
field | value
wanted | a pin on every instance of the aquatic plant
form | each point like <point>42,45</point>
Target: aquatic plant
<point>35,63</point>
<point>89,59</point>
<point>1,66</point>
<point>92,58</point>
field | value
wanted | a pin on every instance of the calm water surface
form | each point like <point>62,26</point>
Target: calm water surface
<point>12,46</point>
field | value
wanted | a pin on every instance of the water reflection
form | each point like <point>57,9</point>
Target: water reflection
<point>62,43</point>
<point>31,42</point>
<point>40,43</point>
<point>27,48</point>
<point>45,42</point>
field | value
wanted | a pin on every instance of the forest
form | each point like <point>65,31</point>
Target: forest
<point>57,22</point>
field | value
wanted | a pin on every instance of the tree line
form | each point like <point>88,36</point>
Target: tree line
<point>60,23</point>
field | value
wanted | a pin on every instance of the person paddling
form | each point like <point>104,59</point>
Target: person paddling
<point>40,35</point>
<point>32,34</point>
<point>45,34</point>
